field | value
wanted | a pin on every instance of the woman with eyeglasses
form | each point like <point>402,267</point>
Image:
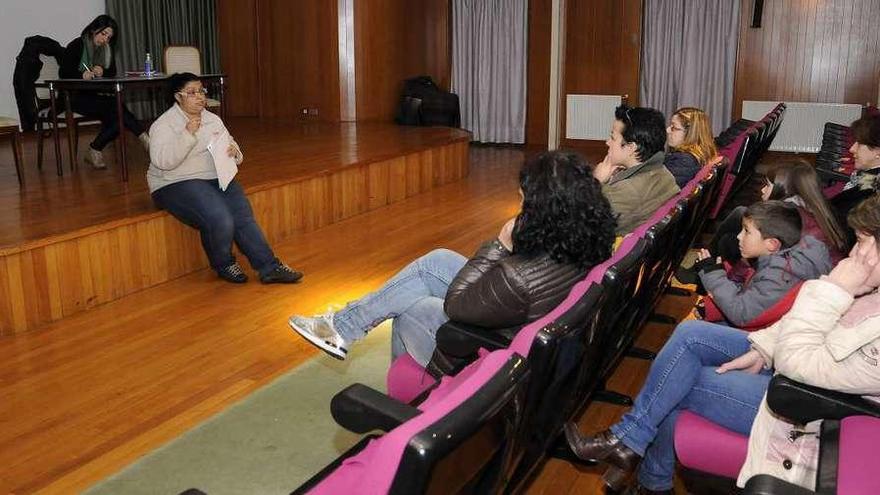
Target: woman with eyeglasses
<point>88,57</point>
<point>183,180</point>
<point>690,142</point>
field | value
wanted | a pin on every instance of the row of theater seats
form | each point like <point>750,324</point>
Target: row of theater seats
<point>712,456</point>
<point>751,140</point>
<point>499,410</point>
<point>834,162</point>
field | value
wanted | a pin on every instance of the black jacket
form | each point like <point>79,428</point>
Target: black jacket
<point>70,62</point>
<point>27,70</point>
<point>683,166</point>
<point>847,200</point>
<point>497,289</point>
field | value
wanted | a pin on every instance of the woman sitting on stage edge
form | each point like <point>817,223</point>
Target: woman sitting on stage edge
<point>91,56</point>
<point>564,227</point>
<point>183,180</point>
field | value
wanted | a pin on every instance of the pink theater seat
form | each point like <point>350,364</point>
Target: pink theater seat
<point>858,463</point>
<point>703,446</point>
<point>372,471</point>
<point>407,379</point>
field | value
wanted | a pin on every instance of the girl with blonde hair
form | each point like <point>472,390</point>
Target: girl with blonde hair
<point>690,142</point>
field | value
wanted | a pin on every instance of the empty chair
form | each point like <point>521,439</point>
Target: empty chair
<point>9,128</point>
<point>185,59</point>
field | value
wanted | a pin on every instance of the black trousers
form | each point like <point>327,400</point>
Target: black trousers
<point>103,108</point>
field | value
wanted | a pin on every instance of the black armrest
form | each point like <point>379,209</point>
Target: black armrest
<point>764,484</point>
<point>802,403</point>
<point>360,409</point>
<point>463,340</point>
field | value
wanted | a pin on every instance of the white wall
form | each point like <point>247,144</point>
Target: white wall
<point>61,20</point>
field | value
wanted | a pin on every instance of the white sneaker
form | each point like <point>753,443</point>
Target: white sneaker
<point>320,332</point>
<point>145,140</point>
<point>95,158</point>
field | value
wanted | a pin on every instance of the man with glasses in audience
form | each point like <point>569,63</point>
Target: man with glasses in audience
<point>632,174</point>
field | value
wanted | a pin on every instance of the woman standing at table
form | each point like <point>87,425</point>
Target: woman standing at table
<point>91,56</point>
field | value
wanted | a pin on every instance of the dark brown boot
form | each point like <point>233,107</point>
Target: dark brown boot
<point>604,447</point>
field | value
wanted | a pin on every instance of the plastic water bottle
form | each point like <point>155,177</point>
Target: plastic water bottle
<point>148,65</point>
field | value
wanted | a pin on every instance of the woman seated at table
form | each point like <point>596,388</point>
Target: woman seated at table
<point>91,56</point>
<point>183,180</point>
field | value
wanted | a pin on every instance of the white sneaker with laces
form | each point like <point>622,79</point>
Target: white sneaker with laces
<point>95,158</point>
<point>320,332</point>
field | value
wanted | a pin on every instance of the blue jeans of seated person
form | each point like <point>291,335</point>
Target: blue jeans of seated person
<point>683,377</point>
<point>221,217</point>
<point>413,298</point>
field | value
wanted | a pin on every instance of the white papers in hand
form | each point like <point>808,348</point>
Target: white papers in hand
<point>225,164</point>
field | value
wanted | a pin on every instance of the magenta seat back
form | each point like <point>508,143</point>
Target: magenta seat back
<point>858,464</point>
<point>406,379</point>
<point>704,446</point>
<point>372,471</point>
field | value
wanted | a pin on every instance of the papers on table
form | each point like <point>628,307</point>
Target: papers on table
<point>225,164</point>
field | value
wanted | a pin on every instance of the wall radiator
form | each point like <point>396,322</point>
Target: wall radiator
<point>590,116</point>
<point>802,127</point>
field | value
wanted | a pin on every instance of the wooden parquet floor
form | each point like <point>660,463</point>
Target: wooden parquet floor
<point>276,151</point>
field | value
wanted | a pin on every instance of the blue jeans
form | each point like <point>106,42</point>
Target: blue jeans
<point>221,218</point>
<point>413,298</point>
<point>683,377</point>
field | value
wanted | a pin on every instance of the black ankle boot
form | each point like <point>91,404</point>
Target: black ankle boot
<point>604,447</point>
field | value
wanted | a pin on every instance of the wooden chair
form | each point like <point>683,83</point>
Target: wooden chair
<point>9,128</point>
<point>44,113</point>
<point>182,58</point>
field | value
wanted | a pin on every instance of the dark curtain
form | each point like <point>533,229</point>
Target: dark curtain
<point>151,25</point>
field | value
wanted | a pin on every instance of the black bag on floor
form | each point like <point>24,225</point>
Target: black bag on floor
<point>424,103</point>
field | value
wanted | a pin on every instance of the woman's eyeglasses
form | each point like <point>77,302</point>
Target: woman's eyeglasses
<point>192,93</point>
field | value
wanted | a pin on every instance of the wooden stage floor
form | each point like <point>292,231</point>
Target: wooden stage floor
<point>71,243</point>
<point>276,151</point>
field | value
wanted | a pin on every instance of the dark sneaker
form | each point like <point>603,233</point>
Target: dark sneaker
<point>282,274</point>
<point>320,332</point>
<point>233,273</point>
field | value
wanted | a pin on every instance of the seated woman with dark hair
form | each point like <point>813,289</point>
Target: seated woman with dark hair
<point>91,56</point>
<point>866,158</point>
<point>183,180</point>
<point>690,142</point>
<point>564,227</point>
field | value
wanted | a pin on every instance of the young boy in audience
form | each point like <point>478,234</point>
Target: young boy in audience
<point>633,176</point>
<point>771,240</point>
